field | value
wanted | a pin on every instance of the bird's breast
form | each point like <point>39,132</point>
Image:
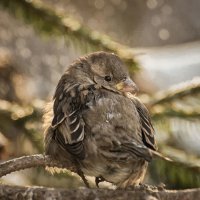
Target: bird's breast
<point>111,115</point>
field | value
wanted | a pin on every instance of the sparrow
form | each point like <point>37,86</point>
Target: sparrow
<point>98,124</point>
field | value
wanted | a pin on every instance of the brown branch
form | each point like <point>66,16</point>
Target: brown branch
<point>25,162</point>
<point>19,192</point>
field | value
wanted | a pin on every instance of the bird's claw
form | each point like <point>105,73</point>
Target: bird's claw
<point>98,180</point>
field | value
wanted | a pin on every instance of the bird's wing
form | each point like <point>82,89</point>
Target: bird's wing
<point>147,147</point>
<point>70,100</point>
<point>147,130</point>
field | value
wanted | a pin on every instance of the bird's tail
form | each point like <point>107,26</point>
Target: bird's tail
<point>156,154</point>
<point>141,151</point>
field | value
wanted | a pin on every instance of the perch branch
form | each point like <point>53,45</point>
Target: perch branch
<point>25,162</point>
<point>19,192</point>
<point>40,160</point>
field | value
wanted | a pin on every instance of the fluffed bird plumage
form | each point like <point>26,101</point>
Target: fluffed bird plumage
<point>94,124</point>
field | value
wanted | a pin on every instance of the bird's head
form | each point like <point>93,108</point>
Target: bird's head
<point>106,70</point>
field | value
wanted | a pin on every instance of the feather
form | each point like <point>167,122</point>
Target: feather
<point>147,130</point>
<point>68,125</point>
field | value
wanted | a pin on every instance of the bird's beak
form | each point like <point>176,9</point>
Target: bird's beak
<point>127,85</point>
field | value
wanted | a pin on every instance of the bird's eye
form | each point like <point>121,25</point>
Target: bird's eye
<point>108,78</point>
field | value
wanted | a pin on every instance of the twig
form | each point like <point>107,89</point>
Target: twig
<point>37,160</point>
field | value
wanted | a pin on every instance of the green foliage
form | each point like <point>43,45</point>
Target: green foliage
<point>175,175</point>
<point>52,22</point>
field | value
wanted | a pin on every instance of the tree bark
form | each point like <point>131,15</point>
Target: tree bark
<point>19,192</point>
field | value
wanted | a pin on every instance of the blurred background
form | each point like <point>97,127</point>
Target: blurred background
<point>159,40</point>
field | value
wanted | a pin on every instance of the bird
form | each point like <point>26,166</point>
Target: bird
<point>97,123</point>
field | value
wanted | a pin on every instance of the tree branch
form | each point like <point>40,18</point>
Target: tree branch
<point>39,160</point>
<point>25,162</point>
<point>179,91</point>
<point>19,192</point>
<point>163,112</point>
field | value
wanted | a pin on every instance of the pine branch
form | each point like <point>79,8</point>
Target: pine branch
<point>20,113</point>
<point>15,117</point>
<point>176,175</point>
<point>177,92</point>
<point>182,158</point>
<point>47,19</point>
<point>159,112</point>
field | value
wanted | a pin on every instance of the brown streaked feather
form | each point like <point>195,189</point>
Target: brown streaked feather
<point>137,149</point>
<point>147,130</point>
<point>67,123</point>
